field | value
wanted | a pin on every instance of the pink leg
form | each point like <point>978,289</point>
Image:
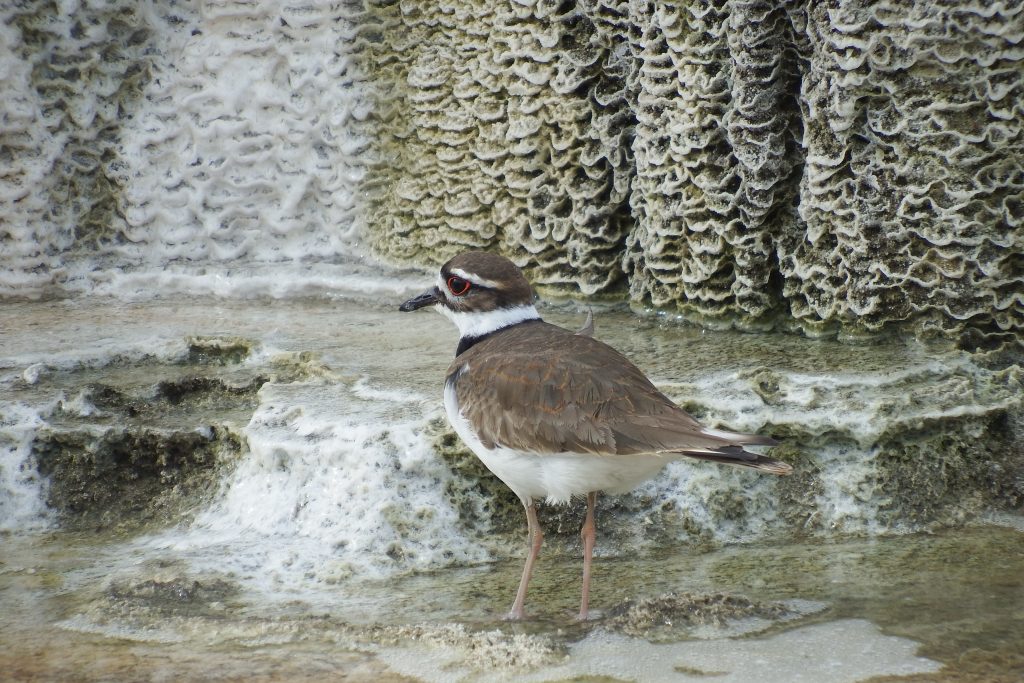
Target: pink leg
<point>589,535</point>
<point>536,538</point>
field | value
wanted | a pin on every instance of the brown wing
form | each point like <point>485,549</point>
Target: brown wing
<point>539,388</point>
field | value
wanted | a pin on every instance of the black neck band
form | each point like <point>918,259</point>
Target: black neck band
<point>466,343</point>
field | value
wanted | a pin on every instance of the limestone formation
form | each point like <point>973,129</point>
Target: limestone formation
<point>843,166</point>
<point>142,135</point>
<point>69,79</point>
<point>504,126</point>
<point>910,201</point>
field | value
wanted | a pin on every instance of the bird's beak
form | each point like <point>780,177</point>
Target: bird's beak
<point>427,298</point>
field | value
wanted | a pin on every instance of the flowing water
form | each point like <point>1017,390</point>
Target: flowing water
<point>264,490</point>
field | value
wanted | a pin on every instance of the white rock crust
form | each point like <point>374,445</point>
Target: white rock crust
<point>148,135</point>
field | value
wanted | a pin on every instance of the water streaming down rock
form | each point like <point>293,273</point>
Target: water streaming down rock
<point>66,83</point>
<point>340,483</point>
<point>152,135</point>
<point>292,467</point>
<point>309,449</point>
<point>21,506</point>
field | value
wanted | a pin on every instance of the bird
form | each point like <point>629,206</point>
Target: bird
<point>558,415</point>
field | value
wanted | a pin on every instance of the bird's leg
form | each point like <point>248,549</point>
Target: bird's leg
<point>589,535</point>
<point>535,538</point>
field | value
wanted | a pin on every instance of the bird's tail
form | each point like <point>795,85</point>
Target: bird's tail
<point>703,443</point>
<point>739,437</point>
<point>734,455</point>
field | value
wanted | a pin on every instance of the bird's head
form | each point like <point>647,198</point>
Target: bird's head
<point>480,292</point>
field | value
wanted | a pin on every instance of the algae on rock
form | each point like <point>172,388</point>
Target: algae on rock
<point>832,167</point>
<point>145,442</point>
<point>503,126</point>
<point>128,479</point>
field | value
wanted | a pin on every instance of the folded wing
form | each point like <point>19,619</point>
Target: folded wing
<point>561,392</point>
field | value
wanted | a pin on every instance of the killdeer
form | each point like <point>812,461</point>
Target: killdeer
<point>557,414</point>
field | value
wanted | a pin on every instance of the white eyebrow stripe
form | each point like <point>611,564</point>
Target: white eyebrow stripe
<point>473,278</point>
<point>443,287</point>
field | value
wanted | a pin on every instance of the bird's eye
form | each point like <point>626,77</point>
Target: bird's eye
<point>458,286</point>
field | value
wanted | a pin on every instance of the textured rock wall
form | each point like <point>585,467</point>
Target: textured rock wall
<point>717,143</point>
<point>831,166</point>
<point>143,134</point>
<point>250,134</point>
<point>835,166</point>
<point>58,139</point>
<point>506,126</point>
<point>911,199</point>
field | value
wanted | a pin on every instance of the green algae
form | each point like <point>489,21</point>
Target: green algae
<point>132,479</point>
<point>137,443</point>
<point>204,350</point>
<point>943,474</point>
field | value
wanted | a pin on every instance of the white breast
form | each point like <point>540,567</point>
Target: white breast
<point>557,477</point>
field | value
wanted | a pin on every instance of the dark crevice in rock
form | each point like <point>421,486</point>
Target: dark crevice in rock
<point>144,442</point>
<point>130,478</point>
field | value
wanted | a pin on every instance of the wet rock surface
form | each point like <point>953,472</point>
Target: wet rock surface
<point>928,617</point>
<point>650,616</point>
<point>134,442</point>
<point>350,523</point>
<point>130,438</point>
<point>131,478</point>
<point>171,596</point>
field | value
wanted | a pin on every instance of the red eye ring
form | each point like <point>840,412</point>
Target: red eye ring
<point>458,286</point>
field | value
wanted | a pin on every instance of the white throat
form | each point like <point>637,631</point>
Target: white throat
<point>478,323</point>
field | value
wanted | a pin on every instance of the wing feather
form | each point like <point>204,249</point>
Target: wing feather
<point>541,389</point>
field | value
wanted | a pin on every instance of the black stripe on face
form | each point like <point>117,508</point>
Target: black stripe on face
<point>458,301</point>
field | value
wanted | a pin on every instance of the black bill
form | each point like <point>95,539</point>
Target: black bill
<point>427,298</point>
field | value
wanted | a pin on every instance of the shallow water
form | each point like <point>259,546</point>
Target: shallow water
<point>336,541</point>
<point>87,607</point>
